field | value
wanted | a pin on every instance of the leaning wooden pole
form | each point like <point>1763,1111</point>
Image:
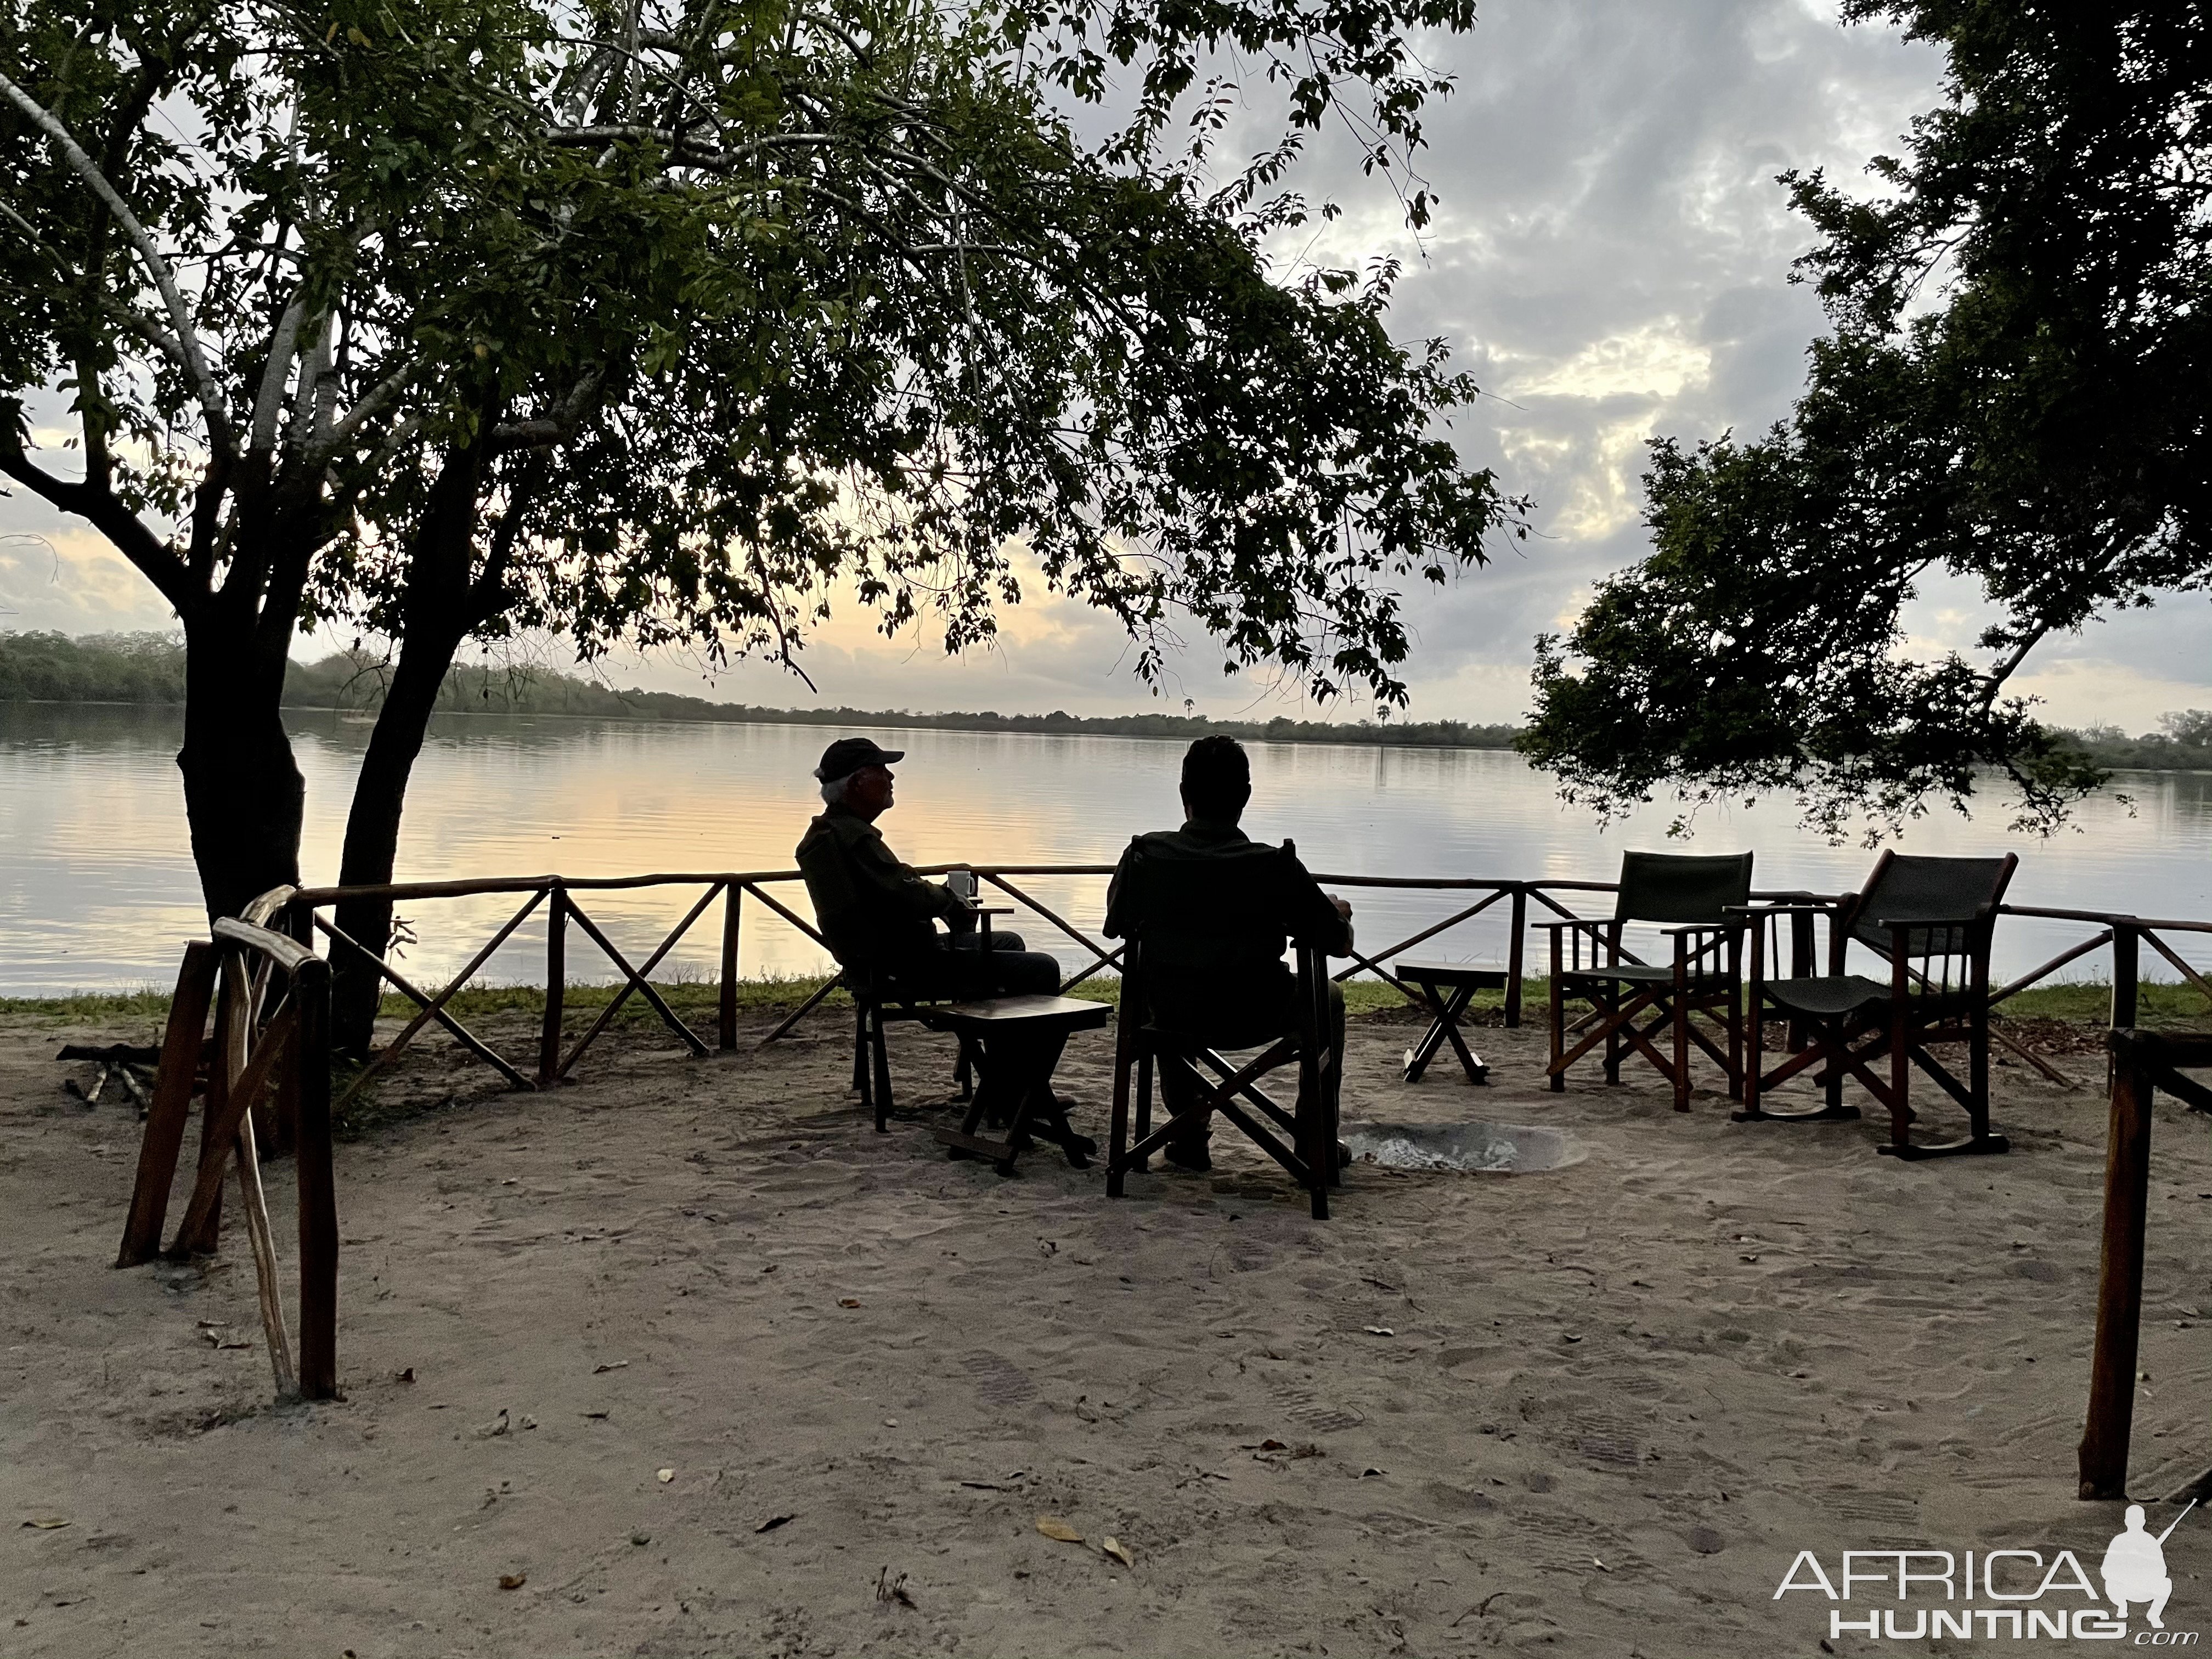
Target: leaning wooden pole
<point>318,1185</point>
<point>173,1086</point>
<point>2136,1061</point>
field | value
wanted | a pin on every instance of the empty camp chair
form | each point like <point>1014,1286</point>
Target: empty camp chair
<point>1633,1002</point>
<point>1931,922</point>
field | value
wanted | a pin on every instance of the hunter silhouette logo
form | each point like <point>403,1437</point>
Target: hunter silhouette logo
<point>2134,1567</point>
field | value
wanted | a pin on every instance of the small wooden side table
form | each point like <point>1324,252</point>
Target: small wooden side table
<point>1015,1041</point>
<point>1448,987</point>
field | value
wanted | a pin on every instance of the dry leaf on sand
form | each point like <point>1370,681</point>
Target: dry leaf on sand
<point>1119,1550</point>
<point>1053,1526</point>
<point>512,1580</point>
<point>849,1302</point>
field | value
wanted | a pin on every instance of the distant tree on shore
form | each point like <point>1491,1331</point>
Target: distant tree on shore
<point>658,323</point>
<point>2040,429</point>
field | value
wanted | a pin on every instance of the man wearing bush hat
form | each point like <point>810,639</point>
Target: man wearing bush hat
<point>878,915</point>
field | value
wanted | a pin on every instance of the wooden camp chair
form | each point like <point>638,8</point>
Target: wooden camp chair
<point>1633,1001</point>
<point>1932,919</point>
<point>880,999</point>
<point>1139,1046</point>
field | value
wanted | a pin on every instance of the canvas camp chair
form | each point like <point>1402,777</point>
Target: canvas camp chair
<point>1634,1003</point>
<point>1141,1047</point>
<point>1303,1140</point>
<point>1932,921</point>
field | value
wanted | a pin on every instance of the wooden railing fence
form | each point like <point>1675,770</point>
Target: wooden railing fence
<point>270,993</point>
<point>298,911</point>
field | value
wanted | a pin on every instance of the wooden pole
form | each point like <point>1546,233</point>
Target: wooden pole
<point>2127,956</point>
<point>1516,952</point>
<point>226,1058</point>
<point>256,1206</point>
<point>733,898</point>
<point>173,1098</point>
<point>225,1110</point>
<point>318,1184</point>
<point>556,977</point>
<point>2137,1060</point>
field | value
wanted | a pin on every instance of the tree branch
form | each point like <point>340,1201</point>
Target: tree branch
<point>165,279</point>
<point>153,559</point>
<point>371,404</point>
<point>268,405</point>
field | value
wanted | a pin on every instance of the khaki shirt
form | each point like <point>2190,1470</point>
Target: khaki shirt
<point>871,908</point>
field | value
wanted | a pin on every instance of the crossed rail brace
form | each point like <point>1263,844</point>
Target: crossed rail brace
<point>557,1059</point>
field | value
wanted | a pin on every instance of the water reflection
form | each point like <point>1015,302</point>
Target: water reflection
<point>97,888</point>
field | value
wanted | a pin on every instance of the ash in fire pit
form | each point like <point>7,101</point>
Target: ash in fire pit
<point>1478,1147</point>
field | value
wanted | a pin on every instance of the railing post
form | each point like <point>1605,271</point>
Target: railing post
<point>556,976</point>
<point>318,1186</point>
<point>733,897</point>
<point>2104,1453</point>
<point>1517,950</point>
<point>2127,958</point>
<point>2127,968</point>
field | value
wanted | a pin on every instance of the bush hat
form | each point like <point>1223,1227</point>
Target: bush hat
<point>848,755</point>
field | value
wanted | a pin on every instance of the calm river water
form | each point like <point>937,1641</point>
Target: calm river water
<point>97,889</point>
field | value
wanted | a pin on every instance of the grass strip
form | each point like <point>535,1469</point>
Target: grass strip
<point>2159,1004</point>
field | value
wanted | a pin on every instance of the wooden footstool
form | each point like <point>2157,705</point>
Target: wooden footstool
<point>1448,987</point>
<point>1015,1041</point>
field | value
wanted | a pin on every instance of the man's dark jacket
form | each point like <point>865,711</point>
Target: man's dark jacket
<point>1214,910</point>
<point>873,911</point>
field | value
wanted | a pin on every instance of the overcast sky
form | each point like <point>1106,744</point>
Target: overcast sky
<point>1609,260</point>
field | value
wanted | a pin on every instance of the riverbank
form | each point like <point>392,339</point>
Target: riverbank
<point>147,671</point>
<point>682,1359</point>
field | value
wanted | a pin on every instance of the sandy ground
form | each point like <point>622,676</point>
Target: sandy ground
<point>712,1369</point>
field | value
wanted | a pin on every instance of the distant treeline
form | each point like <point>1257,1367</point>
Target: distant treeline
<point>2183,743</point>
<point>149,668</point>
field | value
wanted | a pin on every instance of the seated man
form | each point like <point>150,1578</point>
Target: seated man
<point>1214,909</point>
<point>877,913</point>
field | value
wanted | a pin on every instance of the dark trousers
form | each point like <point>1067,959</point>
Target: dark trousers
<point>959,967</point>
<point>1179,1090</point>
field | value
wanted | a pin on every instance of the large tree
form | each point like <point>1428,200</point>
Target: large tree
<point>452,317</point>
<point>2015,392</point>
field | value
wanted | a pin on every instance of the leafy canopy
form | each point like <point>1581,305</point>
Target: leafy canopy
<point>2015,392</point>
<point>666,322</point>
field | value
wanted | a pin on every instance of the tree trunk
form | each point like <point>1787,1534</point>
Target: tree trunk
<point>442,603</point>
<point>372,839</point>
<point>244,796</point>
